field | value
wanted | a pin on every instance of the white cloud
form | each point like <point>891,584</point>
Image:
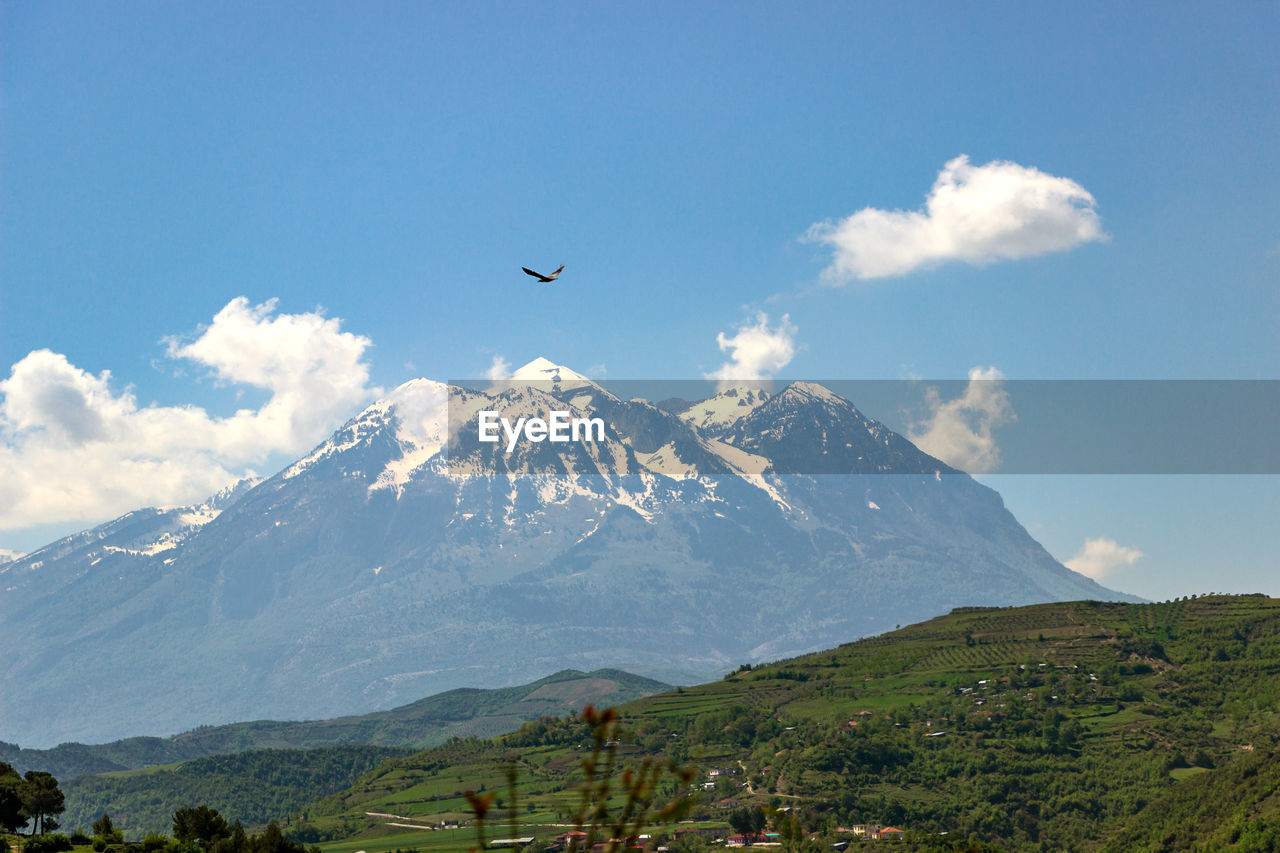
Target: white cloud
<point>960,431</point>
<point>756,351</point>
<point>974,214</point>
<point>72,448</point>
<point>7,556</point>
<point>1100,557</point>
<point>499,369</point>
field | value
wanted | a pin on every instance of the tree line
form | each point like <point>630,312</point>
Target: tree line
<point>35,800</point>
<point>32,799</point>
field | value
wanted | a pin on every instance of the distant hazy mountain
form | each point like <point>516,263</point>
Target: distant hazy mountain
<point>383,566</point>
<point>464,712</point>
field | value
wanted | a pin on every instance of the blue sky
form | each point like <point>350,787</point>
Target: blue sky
<point>394,165</point>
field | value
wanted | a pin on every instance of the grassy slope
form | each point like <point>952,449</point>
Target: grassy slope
<point>1101,725</point>
<point>427,722</point>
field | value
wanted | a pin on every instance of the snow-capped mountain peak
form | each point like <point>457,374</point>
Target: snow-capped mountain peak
<point>544,370</point>
<point>421,407</point>
<point>814,391</point>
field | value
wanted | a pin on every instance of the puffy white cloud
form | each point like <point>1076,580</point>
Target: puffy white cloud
<point>74,449</point>
<point>974,214</point>
<point>756,351</point>
<point>960,431</point>
<point>499,369</point>
<point>1100,557</point>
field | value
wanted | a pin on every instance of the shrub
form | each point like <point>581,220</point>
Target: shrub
<point>55,843</point>
<point>153,842</point>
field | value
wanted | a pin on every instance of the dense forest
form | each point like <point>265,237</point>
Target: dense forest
<point>254,787</point>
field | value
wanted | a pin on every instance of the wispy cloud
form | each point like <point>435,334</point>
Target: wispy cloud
<point>499,369</point>
<point>960,432</point>
<point>973,214</point>
<point>1100,557</point>
<point>756,351</point>
<point>75,448</point>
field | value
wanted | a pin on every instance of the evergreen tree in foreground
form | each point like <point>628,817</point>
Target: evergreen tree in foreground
<point>41,800</point>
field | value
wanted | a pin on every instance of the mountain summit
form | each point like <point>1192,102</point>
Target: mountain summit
<point>403,557</point>
<point>545,370</point>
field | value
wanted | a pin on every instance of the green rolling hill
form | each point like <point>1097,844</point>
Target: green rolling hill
<point>1076,726</point>
<point>456,713</point>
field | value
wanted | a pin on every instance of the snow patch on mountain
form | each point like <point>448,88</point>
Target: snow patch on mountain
<point>420,408</point>
<point>399,472</point>
<point>642,503</point>
<point>750,467</point>
<point>554,489</point>
<point>352,434</point>
<point>667,462</point>
<point>199,516</point>
<point>177,523</point>
<point>726,408</point>
<point>745,463</point>
<point>167,542</point>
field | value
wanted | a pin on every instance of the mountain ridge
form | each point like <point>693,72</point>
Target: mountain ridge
<point>461,712</point>
<point>402,557</point>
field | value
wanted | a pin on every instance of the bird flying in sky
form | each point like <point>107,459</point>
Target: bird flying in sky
<point>543,278</point>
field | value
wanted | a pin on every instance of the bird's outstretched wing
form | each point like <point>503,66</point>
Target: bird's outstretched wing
<point>543,278</point>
